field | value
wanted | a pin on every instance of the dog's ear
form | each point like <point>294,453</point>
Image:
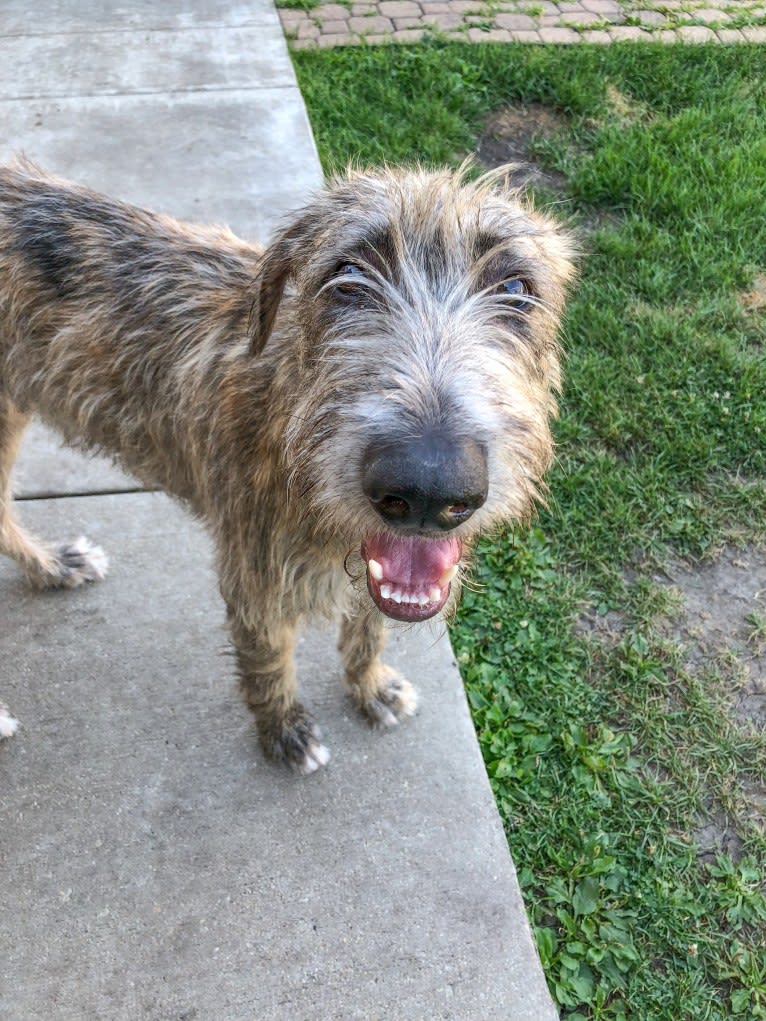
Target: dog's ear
<point>276,267</point>
<point>280,261</point>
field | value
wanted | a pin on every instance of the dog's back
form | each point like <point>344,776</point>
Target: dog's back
<point>100,305</point>
<point>65,249</point>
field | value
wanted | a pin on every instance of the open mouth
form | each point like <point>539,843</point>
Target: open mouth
<point>409,577</point>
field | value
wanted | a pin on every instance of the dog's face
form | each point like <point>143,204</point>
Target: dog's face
<point>427,308</point>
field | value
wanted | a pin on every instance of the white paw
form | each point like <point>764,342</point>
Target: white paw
<point>80,562</point>
<point>316,755</point>
<point>8,726</point>
<point>300,744</point>
<point>395,700</point>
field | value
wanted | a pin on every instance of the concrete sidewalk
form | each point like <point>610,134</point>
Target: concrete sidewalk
<point>154,865</point>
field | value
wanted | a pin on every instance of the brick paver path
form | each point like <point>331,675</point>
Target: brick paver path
<point>594,21</point>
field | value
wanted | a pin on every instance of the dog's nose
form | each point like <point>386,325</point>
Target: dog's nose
<point>431,482</point>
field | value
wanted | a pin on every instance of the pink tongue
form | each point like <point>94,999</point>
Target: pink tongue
<point>411,560</point>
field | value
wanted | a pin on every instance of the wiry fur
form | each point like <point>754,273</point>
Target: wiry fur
<point>234,378</point>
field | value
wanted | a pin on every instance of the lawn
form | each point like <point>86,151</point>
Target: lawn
<point>607,744</point>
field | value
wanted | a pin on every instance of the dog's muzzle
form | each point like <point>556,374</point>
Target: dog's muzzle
<point>419,487</point>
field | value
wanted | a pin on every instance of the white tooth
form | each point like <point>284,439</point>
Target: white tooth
<point>423,600</point>
<point>448,575</point>
<point>406,598</point>
<point>376,571</point>
<point>435,594</point>
<point>396,596</point>
<point>385,591</point>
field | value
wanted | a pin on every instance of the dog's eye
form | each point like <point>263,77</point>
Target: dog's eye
<point>518,291</point>
<point>347,288</point>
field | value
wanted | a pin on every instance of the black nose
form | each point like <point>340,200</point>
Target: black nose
<point>430,482</point>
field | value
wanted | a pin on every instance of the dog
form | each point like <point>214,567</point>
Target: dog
<point>346,409</point>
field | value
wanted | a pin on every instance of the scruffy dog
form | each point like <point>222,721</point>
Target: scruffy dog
<point>345,409</point>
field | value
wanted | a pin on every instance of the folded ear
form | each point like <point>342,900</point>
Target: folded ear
<point>281,261</point>
<point>276,268</point>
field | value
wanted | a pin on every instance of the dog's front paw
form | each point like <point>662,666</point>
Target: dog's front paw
<point>79,562</point>
<point>392,698</point>
<point>8,726</point>
<point>298,743</point>
<point>69,565</point>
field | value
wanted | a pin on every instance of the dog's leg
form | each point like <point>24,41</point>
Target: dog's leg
<point>380,692</point>
<point>64,566</point>
<point>268,683</point>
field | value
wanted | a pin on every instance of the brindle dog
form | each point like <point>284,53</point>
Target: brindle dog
<point>346,409</point>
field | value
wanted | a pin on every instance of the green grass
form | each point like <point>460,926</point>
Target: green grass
<point>298,5</point>
<point>604,748</point>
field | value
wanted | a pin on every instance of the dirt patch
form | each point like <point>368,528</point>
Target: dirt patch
<point>603,628</point>
<point>509,137</point>
<point>725,615</point>
<point>717,835</point>
<point>720,622</point>
<point>755,300</point>
<point>624,107</point>
<point>724,620</point>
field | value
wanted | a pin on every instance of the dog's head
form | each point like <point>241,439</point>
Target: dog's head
<point>426,308</point>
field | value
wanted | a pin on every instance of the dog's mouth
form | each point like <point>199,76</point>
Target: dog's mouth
<point>409,577</point>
